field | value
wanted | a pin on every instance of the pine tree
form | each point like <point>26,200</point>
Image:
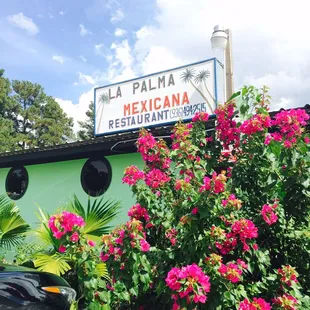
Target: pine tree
<point>87,127</point>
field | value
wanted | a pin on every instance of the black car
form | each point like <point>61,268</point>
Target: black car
<point>28,289</point>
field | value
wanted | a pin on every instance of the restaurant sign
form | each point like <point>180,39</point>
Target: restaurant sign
<point>157,99</point>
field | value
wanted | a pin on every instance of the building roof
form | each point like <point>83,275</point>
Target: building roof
<point>119,143</point>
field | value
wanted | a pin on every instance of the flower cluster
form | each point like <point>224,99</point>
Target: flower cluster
<point>64,223</point>
<point>257,123</point>
<point>288,275</point>
<point>114,244</point>
<point>290,124</point>
<point>286,302</point>
<point>213,259</point>
<point>200,117</point>
<point>188,282</point>
<point>132,175</point>
<point>256,304</point>
<point>245,230</point>
<point>156,178</point>
<point>268,214</point>
<point>138,212</point>
<point>226,128</point>
<point>171,235</point>
<point>227,244</point>
<point>232,202</point>
<point>216,184</point>
<point>180,136</point>
<point>154,153</point>
<point>232,271</point>
<point>146,143</point>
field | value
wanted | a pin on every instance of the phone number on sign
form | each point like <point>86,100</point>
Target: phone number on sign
<point>188,110</point>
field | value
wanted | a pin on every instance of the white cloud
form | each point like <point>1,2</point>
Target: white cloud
<point>143,32</point>
<point>78,110</point>
<point>119,32</point>
<point>21,21</point>
<point>51,16</point>
<point>83,31</point>
<point>123,53</point>
<point>40,15</point>
<point>262,51</point>
<point>158,59</point>
<point>85,79</point>
<point>99,49</point>
<point>83,58</point>
<point>59,59</point>
<point>62,13</point>
<point>121,66</point>
<point>117,15</point>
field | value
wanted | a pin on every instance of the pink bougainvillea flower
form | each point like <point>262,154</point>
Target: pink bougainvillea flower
<point>145,246</point>
<point>216,184</point>
<point>189,282</point>
<point>65,222</point>
<point>232,202</point>
<point>244,229</point>
<point>256,304</point>
<point>75,237</point>
<point>62,249</point>
<point>288,274</point>
<point>226,128</point>
<point>268,214</point>
<point>231,272</point>
<point>259,122</point>
<point>200,117</point>
<point>138,212</point>
<point>290,124</point>
<point>286,302</point>
<point>171,234</point>
<point>268,139</point>
<point>214,259</point>
<point>156,178</point>
<point>91,243</point>
<point>242,264</point>
<point>132,175</point>
<point>195,211</point>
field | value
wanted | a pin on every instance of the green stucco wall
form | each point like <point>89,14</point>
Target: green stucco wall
<point>52,184</point>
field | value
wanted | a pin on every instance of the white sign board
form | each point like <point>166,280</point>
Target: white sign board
<point>156,99</point>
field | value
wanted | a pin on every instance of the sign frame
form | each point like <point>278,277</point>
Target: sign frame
<point>214,59</point>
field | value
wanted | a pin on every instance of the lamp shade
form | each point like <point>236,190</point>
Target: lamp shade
<point>219,38</point>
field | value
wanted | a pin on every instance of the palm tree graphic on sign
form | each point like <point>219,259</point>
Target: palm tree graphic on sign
<point>200,78</point>
<point>103,100</point>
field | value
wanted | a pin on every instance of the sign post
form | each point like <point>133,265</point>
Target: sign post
<point>157,99</point>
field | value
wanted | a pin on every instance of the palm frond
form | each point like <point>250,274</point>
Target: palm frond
<point>43,233</point>
<point>102,271</point>
<point>97,215</point>
<point>202,76</point>
<point>13,228</point>
<point>187,75</point>
<point>27,250</point>
<point>56,263</point>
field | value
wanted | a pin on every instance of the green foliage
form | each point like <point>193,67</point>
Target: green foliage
<point>12,226</point>
<point>87,127</point>
<point>29,117</point>
<point>80,264</point>
<point>97,215</point>
<point>53,263</point>
<point>193,218</point>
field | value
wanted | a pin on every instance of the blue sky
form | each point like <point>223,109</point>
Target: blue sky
<point>71,46</point>
<point>64,37</point>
